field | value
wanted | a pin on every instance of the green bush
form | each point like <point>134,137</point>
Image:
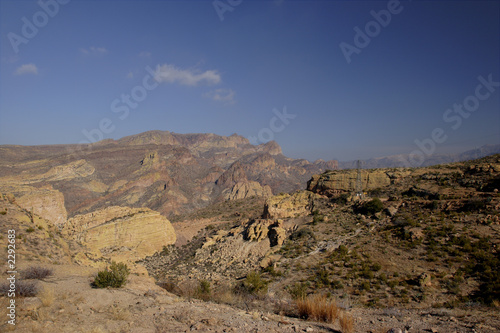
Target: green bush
<point>253,284</point>
<point>204,292</point>
<point>302,233</point>
<point>473,205</point>
<point>371,207</point>
<point>115,276</point>
<point>298,290</point>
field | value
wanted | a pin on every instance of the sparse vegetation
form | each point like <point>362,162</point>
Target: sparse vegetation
<point>36,273</point>
<point>23,288</point>
<point>253,284</point>
<point>317,307</point>
<point>371,207</point>
<point>115,276</point>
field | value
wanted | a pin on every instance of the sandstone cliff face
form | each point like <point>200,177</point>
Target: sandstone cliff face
<point>44,202</point>
<point>242,190</point>
<point>290,205</point>
<point>122,232</point>
<point>344,181</point>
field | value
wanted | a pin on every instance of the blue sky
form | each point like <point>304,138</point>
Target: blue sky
<point>261,69</point>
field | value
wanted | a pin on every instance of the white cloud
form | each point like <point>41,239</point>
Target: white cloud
<point>171,74</point>
<point>94,51</point>
<point>27,69</point>
<point>221,95</point>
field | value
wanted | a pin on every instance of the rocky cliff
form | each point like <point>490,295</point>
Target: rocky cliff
<point>344,181</point>
<point>121,232</point>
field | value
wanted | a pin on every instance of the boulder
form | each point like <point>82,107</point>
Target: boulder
<point>424,280</point>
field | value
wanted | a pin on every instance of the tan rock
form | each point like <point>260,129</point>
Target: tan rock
<point>424,280</point>
<point>247,189</point>
<point>45,202</point>
<point>257,230</point>
<point>344,181</point>
<point>122,232</point>
<point>289,205</point>
<point>277,234</point>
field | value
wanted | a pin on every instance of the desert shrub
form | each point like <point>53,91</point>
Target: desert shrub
<point>36,273</point>
<point>317,217</point>
<point>365,285</point>
<point>253,284</point>
<point>298,290</point>
<point>169,286</point>
<point>371,207</point>
<point>23,288</point>
<point>30,229</point>
<point>341,199</point>
<point>115,276</point>
<point>317,307</point>
<point>473,206</point>
<point>204,292</point>
<point>302,233</point>
<point>3,212</point>
<point>322,278</point>
<point>273,271</point>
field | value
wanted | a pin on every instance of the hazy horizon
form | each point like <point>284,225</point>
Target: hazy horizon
<point>325,79</point>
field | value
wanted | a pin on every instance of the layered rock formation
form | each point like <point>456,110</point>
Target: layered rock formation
<point>344,181</point>
<point>44,202</point>
<point>242,190</point>
<point>122,232</point>
<point>290,205</point>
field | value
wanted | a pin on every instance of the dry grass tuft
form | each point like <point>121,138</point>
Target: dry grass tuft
<point>118,312</point>
<point>46,296</point>
<point>317,307</point>
<point>346,322</point>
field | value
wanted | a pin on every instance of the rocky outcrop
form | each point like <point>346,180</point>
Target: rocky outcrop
<point>233,175</point>
<point>261,229</point>
<point>277,233</point>
<point>289,205</point>
<point>344,181</point>
<point>122,232</point>
<point>44,202</point>
<point>242,190</point>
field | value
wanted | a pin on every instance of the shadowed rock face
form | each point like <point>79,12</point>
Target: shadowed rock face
<point>164,171</point>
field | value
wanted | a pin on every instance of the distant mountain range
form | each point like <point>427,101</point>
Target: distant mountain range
<point>396,161</point>
<point>164,171</point>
